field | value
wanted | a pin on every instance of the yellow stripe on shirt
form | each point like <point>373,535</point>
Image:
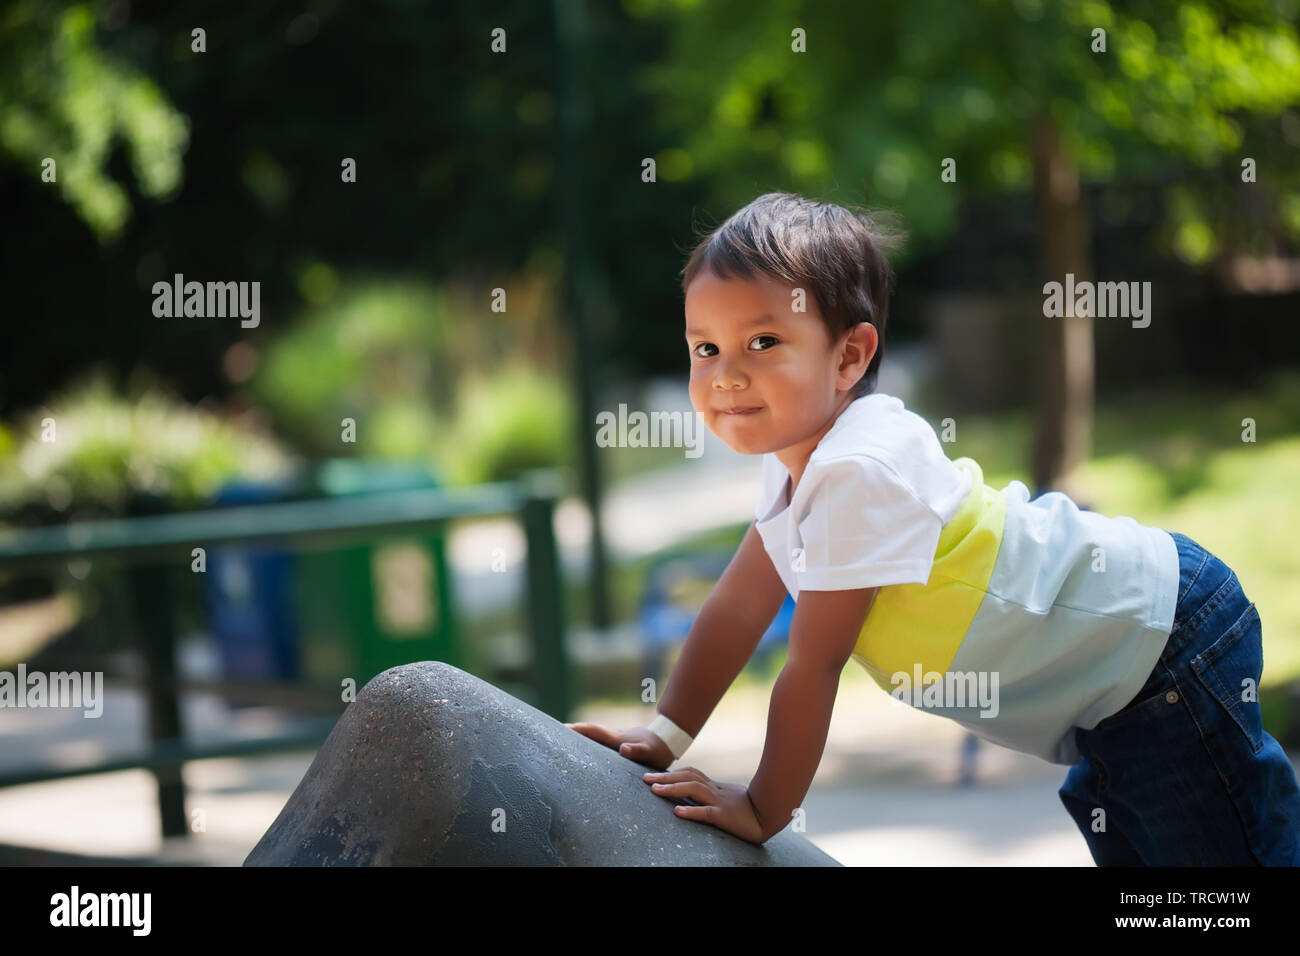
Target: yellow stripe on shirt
<point>924,624</point>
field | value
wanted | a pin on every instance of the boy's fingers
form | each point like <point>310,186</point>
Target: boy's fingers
<point>697,791</point>
<point>672,776</point>
<point>680,774</point>
<point>596,732</point>
<point>683,788</point>
<point>704,814</point>
<point>637,752</point>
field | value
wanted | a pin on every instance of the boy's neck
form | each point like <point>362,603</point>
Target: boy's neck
<point>795,457</point>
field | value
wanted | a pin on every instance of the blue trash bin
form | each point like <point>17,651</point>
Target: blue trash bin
<point>250,599</point>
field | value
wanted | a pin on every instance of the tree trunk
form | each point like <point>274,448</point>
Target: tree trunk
<point>1063,427</point>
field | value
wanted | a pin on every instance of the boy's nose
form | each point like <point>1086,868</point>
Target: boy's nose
<point>728,377</point>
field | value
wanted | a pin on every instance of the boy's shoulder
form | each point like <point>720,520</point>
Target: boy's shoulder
<point>880,426</point>
<point>874,422</point>
<point>897,448</point>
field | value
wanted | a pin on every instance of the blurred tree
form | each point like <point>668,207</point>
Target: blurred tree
<point>113,446</point>
<point>370,352</point>
<point>456,179</point>
<point>63,99</point>
<point>454,145</point>
<point>1021,95</point>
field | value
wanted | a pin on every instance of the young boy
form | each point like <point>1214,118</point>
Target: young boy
<point>1126,651</point>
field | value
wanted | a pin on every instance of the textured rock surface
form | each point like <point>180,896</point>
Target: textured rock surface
<point>427,757</point>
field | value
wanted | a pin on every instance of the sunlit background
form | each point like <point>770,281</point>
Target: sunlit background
<point>505,266</point>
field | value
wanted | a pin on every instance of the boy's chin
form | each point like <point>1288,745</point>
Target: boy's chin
<point>751,447</point>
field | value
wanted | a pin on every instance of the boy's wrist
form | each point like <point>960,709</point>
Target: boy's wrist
<point>677,739</point>
<point>767,831</point>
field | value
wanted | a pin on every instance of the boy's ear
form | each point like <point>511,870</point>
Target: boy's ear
<point>864,337</point>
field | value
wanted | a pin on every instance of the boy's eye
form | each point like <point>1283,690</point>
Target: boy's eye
<point>757,338</point>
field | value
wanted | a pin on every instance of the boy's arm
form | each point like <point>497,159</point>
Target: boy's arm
<point>724,635</point>
<point>825,628</point>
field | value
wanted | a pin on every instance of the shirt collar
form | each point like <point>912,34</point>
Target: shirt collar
<point>772,499</point>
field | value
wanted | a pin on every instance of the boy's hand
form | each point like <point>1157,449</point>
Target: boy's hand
<point>725,805</point>
<point>636,743</point>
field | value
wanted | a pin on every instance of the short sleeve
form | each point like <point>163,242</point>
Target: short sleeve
<point>774,482</point>
<point>860,525</point>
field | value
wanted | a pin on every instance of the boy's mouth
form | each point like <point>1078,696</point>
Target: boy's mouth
<point>742,410</point>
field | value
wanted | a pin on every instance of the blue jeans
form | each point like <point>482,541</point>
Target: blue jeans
<point>1184,774</point>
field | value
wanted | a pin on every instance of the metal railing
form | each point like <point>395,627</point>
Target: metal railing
<point>149,544</point>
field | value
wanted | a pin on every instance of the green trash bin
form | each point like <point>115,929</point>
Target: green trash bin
<point>366,607</point>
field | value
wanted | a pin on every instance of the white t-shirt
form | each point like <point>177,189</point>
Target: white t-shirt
<point>1061,611</point>
<point>882,489</point>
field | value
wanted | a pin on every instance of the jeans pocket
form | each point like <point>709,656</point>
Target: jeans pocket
<point>1139,707</point>
<point>1231,667</point>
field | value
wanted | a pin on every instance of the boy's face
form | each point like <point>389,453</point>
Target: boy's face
<point>750,349</point>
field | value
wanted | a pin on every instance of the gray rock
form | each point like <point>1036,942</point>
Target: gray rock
<point>427,757</point>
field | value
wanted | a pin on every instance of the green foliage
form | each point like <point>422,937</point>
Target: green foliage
<point>62,98</point>
<point>509,420</point>
<point>378,353</point>
<point>381,352</point>
<point>106,447</point>
<point>885,92</point>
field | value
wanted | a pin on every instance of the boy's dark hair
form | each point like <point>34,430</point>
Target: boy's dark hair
<point>827,249</point>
